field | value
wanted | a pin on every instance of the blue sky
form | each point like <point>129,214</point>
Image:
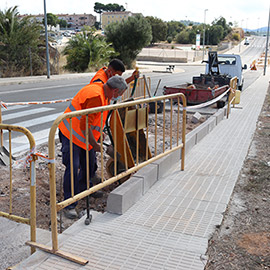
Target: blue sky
<point>248,13</point>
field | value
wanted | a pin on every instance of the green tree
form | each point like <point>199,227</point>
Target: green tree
<point>99,8</point>
<point>182,37</point>
<point>226,27</point>
<point>97,25</point>
<point>216,34</point>
<point>62,23</point>
<point>51,19</point>
<point>17,38</point>
<point>236,36</point>
<point>114,7</point>
<point>159,29</point>
<point>87,51</point>
<point>174,28</point>
<point>129,37</point>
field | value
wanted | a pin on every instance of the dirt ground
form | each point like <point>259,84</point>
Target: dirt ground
<point>242,242</point>
<point>21,180</point>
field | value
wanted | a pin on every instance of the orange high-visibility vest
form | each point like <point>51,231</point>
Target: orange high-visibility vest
<point>87,92</point>
<point>100,76</point>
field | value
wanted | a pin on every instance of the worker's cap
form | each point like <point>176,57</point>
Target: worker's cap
<point>117,82</point>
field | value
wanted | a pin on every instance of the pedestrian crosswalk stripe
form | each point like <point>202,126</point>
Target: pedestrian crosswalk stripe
<point>38,121</point>
<point>21,143</point>
<point>13,107</point>
<point>19,140</point>
<point>31,112</point>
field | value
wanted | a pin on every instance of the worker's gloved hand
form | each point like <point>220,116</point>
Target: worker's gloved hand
<point>96,147</point>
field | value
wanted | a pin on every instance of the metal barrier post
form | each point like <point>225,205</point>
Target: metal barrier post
<point>31,158</point>
<point>184,101</point>
<point>33,201</point>
<point>1,131</point>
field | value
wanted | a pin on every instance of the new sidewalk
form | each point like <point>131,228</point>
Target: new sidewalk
<point>170,226</point>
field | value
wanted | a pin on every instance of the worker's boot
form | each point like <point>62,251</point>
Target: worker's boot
<point>70,213</point>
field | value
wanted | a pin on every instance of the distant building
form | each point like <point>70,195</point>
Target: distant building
<point>240,31</point>
<point>77,21</point>
<point>74,21</point>
<point>116,16</point>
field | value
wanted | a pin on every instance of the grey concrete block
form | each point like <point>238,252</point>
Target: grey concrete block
<point>126,195</point>
<point>219,116</point>
<point>196,117</point>
<point>149,174</point>
<point>164,164</point>
<point>191,140</point>
<point>212,123</point>
<point>225,108</point>
<point>202,131</point>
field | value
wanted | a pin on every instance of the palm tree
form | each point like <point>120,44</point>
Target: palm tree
<point>17,38</point>
<point>86,52</point>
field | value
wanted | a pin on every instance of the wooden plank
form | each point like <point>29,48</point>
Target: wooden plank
<point>63,254</point>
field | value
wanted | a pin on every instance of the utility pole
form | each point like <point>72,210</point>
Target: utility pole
<point>204,31</point>
<point>46,40</point>
<point>266,46</point>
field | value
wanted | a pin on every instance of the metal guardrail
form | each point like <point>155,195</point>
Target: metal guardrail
<point>136,122</point>
<point>30,159</point>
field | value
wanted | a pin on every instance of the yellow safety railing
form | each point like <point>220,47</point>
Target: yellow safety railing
<point>31,159</point>
<point>1,131</point>
<point>231,100</point>
<point>134,123</point>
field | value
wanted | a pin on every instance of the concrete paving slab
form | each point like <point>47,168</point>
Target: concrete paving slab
<point>12,238</point>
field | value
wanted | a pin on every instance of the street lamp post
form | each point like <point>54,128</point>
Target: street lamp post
<point>204,31</point>
<point>46,40</point>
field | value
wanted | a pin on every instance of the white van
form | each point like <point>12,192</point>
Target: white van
<point>231,64</point>
<point>246,41</point>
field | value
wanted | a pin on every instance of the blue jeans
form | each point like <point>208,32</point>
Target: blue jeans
<point>79,168</point>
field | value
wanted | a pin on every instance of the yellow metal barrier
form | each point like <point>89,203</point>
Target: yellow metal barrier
<point>1,131</point>
<point>137,123</point>
<point>233,86</point>
<point>32,158</point>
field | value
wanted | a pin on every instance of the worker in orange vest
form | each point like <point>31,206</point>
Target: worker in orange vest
<point>115,67</point>
<point>90,96</point>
